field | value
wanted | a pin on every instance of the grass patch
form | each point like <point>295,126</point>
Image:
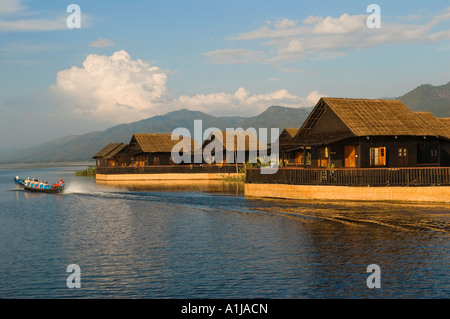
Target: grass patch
<point>87,172</point>
<point>240,178</point>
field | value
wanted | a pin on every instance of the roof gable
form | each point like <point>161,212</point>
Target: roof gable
<point>374,117</point>
<point>365,117</point>
<point>110,150</point>
<point>291,132</point>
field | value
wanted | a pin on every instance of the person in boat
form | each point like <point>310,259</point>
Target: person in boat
<point>61,182</point>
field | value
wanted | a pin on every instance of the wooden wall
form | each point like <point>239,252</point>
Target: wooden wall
<point>418,151</point>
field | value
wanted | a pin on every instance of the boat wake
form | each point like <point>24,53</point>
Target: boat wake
<point>84,189</point>
<point>79,188</point>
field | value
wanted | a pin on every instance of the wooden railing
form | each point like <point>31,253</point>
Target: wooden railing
<point>423,176</point>
<point>169,169</point>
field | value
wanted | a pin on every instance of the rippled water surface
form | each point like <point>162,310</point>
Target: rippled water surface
<point>206,240</point>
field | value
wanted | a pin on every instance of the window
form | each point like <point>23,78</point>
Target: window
<point>156,160</point>
<point>402,152</point>
<point>377,156</point>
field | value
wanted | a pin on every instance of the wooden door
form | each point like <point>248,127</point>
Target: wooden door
<point>382,158</point>
<point>350,155</point>
<point>378,156</point>
<point>323,157</point>
<point>403,156</point>
<point>434,158</point>
<point>298,157</point>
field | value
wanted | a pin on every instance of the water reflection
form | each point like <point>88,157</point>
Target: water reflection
<point>208,186</point>
<point>184,239</point>
<point>409,241</point>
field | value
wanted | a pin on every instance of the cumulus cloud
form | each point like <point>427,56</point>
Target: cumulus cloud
<point>329,37</point>
<point>109,90</point>
<point>115,88</point>
<point>119,89</point>
<point>242,102</point>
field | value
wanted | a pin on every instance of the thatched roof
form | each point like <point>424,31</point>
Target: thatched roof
<point>436,126</point>
<point>286,138</point>
<point>117,150</point>
<point>364,117</point>
<point>445,121</point>
<point>162,143</point>
<point>230,140</point>
<point>290,131</point>
<point>110,150</point>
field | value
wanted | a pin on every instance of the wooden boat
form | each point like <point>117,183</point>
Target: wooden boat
<point>35,186</point>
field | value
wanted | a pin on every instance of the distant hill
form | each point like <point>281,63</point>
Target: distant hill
<point>434,99</point>
<point>83,147</point>
<point>278,116</point>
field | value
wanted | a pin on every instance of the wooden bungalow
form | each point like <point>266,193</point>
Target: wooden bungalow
<point>156,149</point>
<point>112,154</point>
<point>286,142</point>
<point>235,146</point>
<point>363,133</point>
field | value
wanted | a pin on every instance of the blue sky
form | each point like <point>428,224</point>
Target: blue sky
<point>135,59</point>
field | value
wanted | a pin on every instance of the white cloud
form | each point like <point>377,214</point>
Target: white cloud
<point>113,88</point>
<point>108,90</point>
<point>33,25</point>
<point>293,50</point>
<point>345,24</point>
<point>244,103</point>
<point>232,56</point>
<point>314,97</point>
<point>102,43</point>
<point>15,17</point>
<point>10,6</point>
<point>331,37</point>
<point>284,24</point>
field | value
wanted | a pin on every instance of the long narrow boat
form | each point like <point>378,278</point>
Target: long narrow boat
<point>35,186</point>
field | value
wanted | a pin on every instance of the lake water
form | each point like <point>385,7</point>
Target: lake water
<point>206,240</point>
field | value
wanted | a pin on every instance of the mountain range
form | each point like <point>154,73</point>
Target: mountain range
<point>434,99</point>
<point>83,147</point>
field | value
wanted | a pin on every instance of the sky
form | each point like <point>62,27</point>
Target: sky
<point>68,72</point>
